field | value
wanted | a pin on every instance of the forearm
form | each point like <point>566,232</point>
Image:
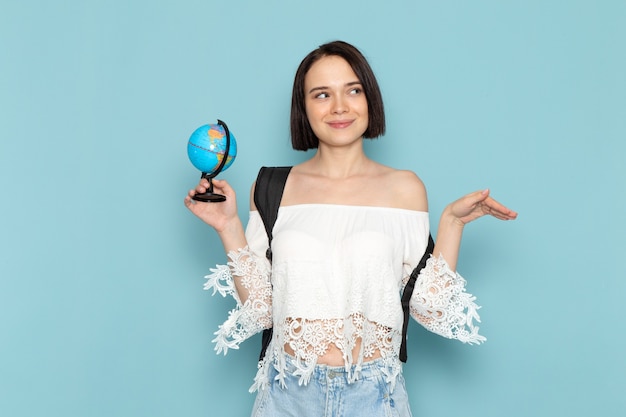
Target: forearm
<point>448,240</point>
<point>246,274</point>
<point>233,235</point>
<point>233,239</point>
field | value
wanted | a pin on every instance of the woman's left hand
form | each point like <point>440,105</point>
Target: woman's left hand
<point>478,204</point>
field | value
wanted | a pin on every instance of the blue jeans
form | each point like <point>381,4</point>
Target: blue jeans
<point>329,394</point>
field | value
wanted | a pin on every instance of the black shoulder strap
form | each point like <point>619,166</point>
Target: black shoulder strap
<point>268,191</point>
<point>408,292</point>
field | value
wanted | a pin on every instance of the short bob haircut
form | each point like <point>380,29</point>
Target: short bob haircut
<point>302,136</point>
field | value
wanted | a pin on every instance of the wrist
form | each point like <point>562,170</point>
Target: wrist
<point>232,227</point>
<point>448,219</point>
<point>232,236</point>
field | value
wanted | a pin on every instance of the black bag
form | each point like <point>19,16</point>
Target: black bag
<point>268,192</point>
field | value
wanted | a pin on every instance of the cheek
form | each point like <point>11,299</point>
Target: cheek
<point>315,120</point>
<point>364,107</point>
<point>365,110</point>
<point>312,113</point>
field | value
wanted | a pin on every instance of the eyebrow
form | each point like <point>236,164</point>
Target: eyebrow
<point>350,84</point>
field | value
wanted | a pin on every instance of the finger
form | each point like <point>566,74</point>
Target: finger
<point>500,216</point>
<point>505,213</point>
<point>223,187</point>
<point>498,210</point>
<point>497,206</point>
<point>474,199</point>
<point>201,188</point>
<point>510,215</point>
<point>482,195</point>
<point>221,183</point>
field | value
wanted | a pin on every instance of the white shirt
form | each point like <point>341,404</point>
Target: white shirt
<point>336,278</point>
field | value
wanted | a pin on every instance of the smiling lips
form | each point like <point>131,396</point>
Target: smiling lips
<point>340,124</point>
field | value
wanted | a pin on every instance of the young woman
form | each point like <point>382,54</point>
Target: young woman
<point>348,235</point>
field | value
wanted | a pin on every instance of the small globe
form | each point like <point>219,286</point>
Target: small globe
<point>207,146</point>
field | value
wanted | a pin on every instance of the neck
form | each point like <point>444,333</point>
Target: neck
<point>339,163</point>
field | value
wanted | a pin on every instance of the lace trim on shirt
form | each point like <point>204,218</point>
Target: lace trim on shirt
<point>441,305</point>
<point>310,339</point>
<point>304,370</point>
<point>255,313</point>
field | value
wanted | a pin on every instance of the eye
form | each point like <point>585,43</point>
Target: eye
<point>355,91</point>
<point>323,94</point>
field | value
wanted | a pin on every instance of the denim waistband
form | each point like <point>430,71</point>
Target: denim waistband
<point>348,374</point>
<point>375,388</point>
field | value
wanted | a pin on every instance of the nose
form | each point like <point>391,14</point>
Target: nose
<point>339,105</point>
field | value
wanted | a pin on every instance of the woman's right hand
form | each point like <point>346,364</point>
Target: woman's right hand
<point>222,215</point>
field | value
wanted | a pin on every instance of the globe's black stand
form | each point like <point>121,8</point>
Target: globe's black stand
<point>210,196</point>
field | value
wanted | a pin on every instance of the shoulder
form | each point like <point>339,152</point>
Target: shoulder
<point>408,190</point>
<point>252,205</point>
<point>270,183</point>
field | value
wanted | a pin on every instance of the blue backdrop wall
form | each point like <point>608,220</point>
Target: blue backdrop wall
<point>102,311</point>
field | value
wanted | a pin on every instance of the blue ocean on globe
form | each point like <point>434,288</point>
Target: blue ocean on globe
<point>207,146</point>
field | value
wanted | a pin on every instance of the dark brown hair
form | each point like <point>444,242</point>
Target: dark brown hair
<point>302,136</point>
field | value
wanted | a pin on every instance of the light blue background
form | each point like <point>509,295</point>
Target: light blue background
<point>102,311</point>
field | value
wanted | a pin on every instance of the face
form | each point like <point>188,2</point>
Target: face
<point>335,102</point>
